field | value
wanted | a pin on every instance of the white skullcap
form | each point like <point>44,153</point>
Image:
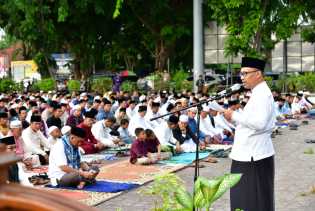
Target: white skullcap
<point>205,108</point>
<point>193,109</point>
<point>83,94</point>
<point>15,124</point>
<point>63,101</point>
<point>183,118</point>
<point>142,98</point>
<point>157,100</point>
<point>51,129</point>
<point>65,129</point>
<point>97,98</point>
<point>211,106</point>
<point>32,98</point>
<point>77,107</point>
<point>14,106</point>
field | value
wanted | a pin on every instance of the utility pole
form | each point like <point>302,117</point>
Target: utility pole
<point>198,42</point>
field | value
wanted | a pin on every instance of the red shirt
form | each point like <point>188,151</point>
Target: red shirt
<point>88,143</point>
<point>138,150</point>
<point>142,148</point>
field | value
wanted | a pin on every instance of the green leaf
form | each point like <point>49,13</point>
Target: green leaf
<point>184,198</point>
<point>119,4</point>
<point>209,188</point>
<point>228,181</point>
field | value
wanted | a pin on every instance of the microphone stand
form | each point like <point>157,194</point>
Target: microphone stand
<point>199,108</point>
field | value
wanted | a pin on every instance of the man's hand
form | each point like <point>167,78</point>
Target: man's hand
<point>178,149</point>
<point>46,158</point>
<point>99,146</point>
<point>228,114</point>
<point>158,156</point>
<point>86,174</point>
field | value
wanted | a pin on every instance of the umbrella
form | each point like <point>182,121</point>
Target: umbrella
<point>127,73</point>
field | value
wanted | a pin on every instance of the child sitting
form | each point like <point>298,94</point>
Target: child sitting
<point>154,146</point>
<point>123,131</point>
<point>146,150</point>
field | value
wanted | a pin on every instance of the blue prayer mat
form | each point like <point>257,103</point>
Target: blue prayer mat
<point>185,158</point>
<point>103,186</point>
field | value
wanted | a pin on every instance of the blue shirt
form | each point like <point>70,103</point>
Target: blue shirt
<point>103,115</point>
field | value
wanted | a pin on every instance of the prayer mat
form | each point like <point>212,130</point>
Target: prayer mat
<point>219,146</point>
<point>185,158</point>
<point>93,157</point>
<point>85,197</point>
<point>124,171</point>
<point>103,186</point>
<point>114,150</point>
<point>37,170</point>
<point>282,125</point>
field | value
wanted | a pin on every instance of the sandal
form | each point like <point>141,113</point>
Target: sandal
<point>210,160</point>
<point>309,141</point>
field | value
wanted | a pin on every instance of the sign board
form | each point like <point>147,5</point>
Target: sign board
<point>63,61</point>
<point>24,69</point>
<point>4,66</point>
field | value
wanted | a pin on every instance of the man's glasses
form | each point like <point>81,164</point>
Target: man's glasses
<point>244,74</point>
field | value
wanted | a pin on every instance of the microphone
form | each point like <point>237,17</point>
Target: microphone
<point>231,90</point>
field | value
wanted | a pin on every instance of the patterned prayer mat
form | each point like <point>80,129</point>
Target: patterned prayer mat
<point>124,171</point>
<point>85,197</point>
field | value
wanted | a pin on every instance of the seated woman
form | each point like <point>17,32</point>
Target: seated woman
<point>146,148</point>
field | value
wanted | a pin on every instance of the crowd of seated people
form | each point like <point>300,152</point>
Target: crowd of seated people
<point>56,129</point>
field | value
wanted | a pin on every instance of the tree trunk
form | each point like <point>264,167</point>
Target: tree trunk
<point>258,35</point>
<point>161,54</point>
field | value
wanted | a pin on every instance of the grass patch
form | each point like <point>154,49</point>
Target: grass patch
<point>312,191</point>
<point>309,151</point>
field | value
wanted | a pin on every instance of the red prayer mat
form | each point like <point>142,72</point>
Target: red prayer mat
<point>124,171</point>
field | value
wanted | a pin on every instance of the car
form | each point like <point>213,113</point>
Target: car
<point>211,80</point>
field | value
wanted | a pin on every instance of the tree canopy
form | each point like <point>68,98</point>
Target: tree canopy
<point>251,23</point>
<point>142,34</point>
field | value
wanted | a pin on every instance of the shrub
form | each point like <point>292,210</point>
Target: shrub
<point>171,194</point>
<point>128,86</point>
<point>46,85</point>
<point>101,85</point>
<point>73,85</point>
<point>7,85</point>
<point>179,79</point>
<point>295,83</point>
<point>159,83</point>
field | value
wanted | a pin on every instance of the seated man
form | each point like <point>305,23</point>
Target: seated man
<point>54,135</point>
<point>55,120</point>
<point>101,131</point>
<point>208,128</point>
<point>65,166</point>
<point>35,143</point>
<point>164,131</point>
<point>4,129</point>
<point>139,121</point>
<point>145,150</point>
<point>75,118</point>
<point>185,139</point>
<point>192,124</point>
<point>90,144</point>
<point>123,131</point>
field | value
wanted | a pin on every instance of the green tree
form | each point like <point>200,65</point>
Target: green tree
<point>82,28</point>
<point>251,23</point>
<point>165,27</point>
<point>308,33</point>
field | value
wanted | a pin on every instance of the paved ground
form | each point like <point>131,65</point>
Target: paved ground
<point>295,176</point>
